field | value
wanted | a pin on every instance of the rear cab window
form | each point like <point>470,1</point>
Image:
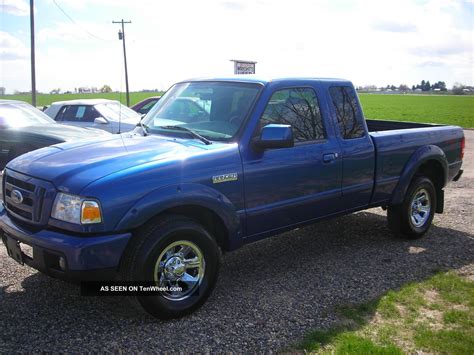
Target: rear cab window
<point>348,113</point>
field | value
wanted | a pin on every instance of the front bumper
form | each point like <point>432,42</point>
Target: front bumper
<point>86,258</point>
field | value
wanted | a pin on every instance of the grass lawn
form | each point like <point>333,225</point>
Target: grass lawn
<point>433,316</point>
<point>444,109</point>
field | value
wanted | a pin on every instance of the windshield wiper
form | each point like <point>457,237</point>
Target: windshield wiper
<point>191,132</point>
<point>144,128</point>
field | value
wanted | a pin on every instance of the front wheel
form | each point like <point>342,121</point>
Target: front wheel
<point>413,217</point>
<point>178,254</point>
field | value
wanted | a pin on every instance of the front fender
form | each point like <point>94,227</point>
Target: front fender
<point>418,158</point>
<point>171,196</point>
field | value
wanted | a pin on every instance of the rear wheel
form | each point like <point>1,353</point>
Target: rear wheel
<point>412,219</point>
<point>176,253</point>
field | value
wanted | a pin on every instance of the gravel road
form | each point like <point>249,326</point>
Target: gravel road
<point>268,296</point>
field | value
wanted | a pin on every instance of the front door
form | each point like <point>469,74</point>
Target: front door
<point>287,186</point>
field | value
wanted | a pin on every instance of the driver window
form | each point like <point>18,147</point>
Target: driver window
<point>299,108</point>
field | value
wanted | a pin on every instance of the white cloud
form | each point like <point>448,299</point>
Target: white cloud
<point>233,5</point>
<point>394,26</point>
<point>369,42</point>
<point>71,32</point>
<point>15,7</point>
<point>14,64</point>
<point>11,48</point>
<point>81,4</point>
<point>443,46</point>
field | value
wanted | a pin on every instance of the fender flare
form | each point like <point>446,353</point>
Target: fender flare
<point>164,198</point>
<point>418,158</point>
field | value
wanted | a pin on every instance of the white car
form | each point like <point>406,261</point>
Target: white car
<point>109,115</point>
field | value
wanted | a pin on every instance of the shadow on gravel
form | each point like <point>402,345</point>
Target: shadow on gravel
<point>269,293</point>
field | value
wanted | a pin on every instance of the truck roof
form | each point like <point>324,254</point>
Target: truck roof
<point>265,80</point>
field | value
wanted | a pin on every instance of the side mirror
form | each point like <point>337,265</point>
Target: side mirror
<point>100,120</point>
<point>275,136</point>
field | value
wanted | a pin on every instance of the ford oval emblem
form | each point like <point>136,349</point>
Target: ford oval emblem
<point>16,196</point>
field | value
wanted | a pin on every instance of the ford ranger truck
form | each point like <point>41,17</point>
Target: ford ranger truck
<point>216,164</point>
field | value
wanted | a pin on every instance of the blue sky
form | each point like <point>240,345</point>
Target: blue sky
<point>369,42</point>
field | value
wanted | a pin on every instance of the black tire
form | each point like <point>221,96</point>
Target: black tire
<point>142,255</point>
<point>400,216</point>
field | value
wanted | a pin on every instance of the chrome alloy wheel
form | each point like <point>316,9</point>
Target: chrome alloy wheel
<point>181,264</point>
<point>420,208</point>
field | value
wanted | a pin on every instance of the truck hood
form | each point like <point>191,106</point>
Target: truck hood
<point>72,166</point>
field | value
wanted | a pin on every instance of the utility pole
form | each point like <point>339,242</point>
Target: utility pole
<point>122,37</point>
<point>33,70</point>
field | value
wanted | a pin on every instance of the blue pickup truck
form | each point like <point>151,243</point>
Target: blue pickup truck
<point>249,159</point>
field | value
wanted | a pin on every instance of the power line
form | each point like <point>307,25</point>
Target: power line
<point>78,25</point>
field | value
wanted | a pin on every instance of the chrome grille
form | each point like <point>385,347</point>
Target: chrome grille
<point>23,199</point>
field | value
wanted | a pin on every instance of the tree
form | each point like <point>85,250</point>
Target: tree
<point>427,86</point>
<point>440,85</point>
<point>403,87</point>
<point>458,89</point>
<point>106,88</point>
<point>424,86</point>
<point>369,88</point>
<point>2,91</point>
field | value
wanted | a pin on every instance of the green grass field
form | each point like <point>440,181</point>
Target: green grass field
<point>435,316</point>
<point>445,109</point>
<point>47,99</point>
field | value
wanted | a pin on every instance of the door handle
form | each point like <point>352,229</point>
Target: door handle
<point>329,157</point>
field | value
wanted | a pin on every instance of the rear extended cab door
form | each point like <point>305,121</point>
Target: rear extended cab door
<point>357,148</point>
<point>289,186</point>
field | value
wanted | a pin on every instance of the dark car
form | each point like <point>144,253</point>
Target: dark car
<point>146,105</point>
<point>24,128</point>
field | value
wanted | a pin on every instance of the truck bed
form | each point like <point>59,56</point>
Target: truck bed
<point>383,125</point>
<point>395,142</point>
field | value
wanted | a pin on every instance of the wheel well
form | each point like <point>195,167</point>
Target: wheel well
<point>208,219</point>
<point>433,170</point>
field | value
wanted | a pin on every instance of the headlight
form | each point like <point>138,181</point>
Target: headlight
<point>75,209</point>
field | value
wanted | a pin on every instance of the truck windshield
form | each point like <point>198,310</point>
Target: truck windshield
<point>214,110</point>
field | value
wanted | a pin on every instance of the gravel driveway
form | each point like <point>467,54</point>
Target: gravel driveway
<point>269,293</point>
